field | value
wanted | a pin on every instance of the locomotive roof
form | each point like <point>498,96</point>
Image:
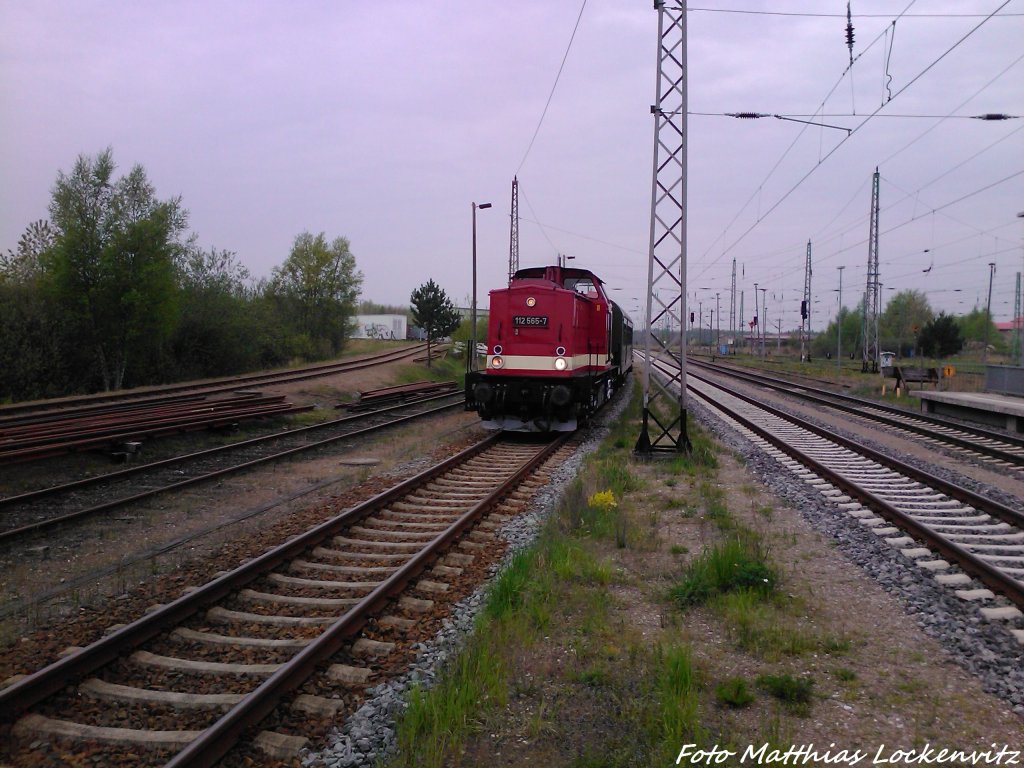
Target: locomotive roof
<point>553,274</point>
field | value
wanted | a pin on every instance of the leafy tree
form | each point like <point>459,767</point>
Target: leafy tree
<point>905,311</point>
<point>112,265</point>
<point>977,327</point>
<point>216,332</point>
<point>25,264</point>
<point>941,337</point>
<point>317,287</point>
<point>367,307</point>
<point>825,343</point>
<point>434,312</point>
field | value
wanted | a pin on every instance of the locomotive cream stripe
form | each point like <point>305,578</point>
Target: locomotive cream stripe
<point>546,362</point>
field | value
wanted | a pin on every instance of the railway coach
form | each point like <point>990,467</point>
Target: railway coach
<point>557,349</point>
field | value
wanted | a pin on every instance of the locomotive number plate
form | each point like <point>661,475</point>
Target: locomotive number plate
<point>530,321</point>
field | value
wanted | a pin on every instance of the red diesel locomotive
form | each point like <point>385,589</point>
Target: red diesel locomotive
<point>557,348</point>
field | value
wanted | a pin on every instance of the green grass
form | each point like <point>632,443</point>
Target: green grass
<point>726,567</point>
<point>677,691</point>
<point>438,720</point>
<point>793,692</point>
<point>733,692</point>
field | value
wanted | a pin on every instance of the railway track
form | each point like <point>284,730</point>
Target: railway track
<point>970,543</point>
<point>999,450</point>
<point>36,512</point>
<point>286,638</point>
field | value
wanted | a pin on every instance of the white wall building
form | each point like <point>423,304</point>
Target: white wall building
<point>380,327</point>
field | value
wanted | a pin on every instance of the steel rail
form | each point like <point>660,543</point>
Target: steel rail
<point>991,577</point>
<point>218,739</point>
<point>228,384</point>
<point>30,690</point>
<point>30,496</point>
<point>966,495</point>
<point>73,429</point>
<point>72,433</point>
<point>852,404</point>
<point>147,431</point>
<point>52,522</point>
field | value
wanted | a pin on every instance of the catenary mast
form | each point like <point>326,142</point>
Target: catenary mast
<point>663,428</point>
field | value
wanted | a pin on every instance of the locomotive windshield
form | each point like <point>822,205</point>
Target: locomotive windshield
<point>583,285</point>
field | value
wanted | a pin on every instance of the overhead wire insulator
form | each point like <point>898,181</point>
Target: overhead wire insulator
<point>746,115</point>
<point>849,31</point>
<point>994,116</point>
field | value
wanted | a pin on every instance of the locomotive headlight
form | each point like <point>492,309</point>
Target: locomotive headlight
<point>560,364</point>
<point>497,349</point>
<point>497,361</point>
<point>531,302</point>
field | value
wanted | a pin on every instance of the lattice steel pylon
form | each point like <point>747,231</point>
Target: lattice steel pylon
<point>805,311</point>
<point>664,394</point>
<point>513,237</point>
<point>872,294</point>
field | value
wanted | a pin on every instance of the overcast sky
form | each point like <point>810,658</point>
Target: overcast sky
<point>383,122</point>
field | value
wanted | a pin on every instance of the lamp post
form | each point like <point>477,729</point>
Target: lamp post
<point>839,327</point>
<point>471,352</point>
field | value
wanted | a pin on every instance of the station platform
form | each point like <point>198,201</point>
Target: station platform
<point>980,407</point>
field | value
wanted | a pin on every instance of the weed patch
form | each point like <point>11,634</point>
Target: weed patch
<point>726,567</point>
<point>793,692</point>
<point>734,693</point>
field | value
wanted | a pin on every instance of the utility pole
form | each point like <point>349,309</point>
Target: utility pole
<point>988,311</point>
<point>718,328</point>
<point>513,238</point>
<point>739,341</point>
<point>732,306</point>
<point>1017,322</point>
<point>664,429</point>
<point>757,322</point>
<point>778,336</point>
<point>871,293</point>
<point>764,318</point>
<point>805,311</point>
<point>839,327</point>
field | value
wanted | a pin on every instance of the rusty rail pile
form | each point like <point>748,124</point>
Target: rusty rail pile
<point>95,428</point>
<point>400,393</point>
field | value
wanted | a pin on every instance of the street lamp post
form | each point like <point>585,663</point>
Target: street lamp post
<point>471,352</point>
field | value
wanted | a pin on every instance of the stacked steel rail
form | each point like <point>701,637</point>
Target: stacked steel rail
<point>13,412</point>
<point>39,510</point>
<point>54,436</point>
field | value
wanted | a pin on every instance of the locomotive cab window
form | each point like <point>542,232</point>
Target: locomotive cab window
<point>582,285</point>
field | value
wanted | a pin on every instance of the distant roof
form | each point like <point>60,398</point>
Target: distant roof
<point>1011,325</point>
